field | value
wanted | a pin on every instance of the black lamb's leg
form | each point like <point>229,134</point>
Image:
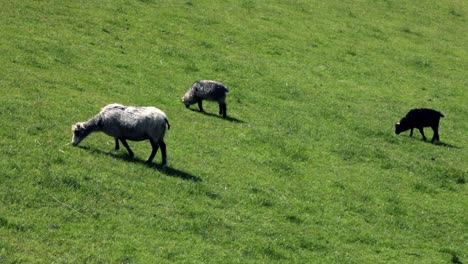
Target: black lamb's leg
<point>200,105</point>
<point>411,133</point>
<point>163,151</point>
<point>130,152</point>
<point>436,134</point>
<point>117,147</point>
<point>153,152</point>
<point>422,133</point>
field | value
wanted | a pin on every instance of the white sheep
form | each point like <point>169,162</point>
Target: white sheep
<point>206,90</point>
<point>127,122</point>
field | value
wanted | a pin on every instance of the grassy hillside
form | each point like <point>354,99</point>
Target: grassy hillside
<point>306,169</point>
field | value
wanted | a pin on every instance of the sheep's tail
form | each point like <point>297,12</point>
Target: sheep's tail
<point>167,122</point>
<point>441,115</point>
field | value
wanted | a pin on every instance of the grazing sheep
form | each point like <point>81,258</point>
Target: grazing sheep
<point>206,90</point>
<point>127,122</point>
<point>420,118</point>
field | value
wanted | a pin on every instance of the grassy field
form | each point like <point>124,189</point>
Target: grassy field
<point>305,169</point>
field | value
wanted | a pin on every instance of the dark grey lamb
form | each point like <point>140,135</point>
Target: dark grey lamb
<point>420,118</point>
<point>207,90</point>
<point>127,122</point>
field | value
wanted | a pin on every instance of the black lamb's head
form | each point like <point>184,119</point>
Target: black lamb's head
<point>401,126</point>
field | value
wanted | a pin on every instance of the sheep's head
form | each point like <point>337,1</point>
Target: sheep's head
<point>79,134</point>
<point>401,126</point>
<point>188,98</point>
<point>397,128</point>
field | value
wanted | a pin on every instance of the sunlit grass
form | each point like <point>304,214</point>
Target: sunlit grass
<point>306,168</point>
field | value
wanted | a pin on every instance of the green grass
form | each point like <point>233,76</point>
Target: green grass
<point>306,169</point>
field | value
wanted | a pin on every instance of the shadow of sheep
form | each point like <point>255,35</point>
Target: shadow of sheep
<point>164,169</point>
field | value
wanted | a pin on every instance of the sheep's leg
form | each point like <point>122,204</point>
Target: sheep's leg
<point>200,105</point>
<point>422,133</point>
<point>222,109</point>
<point>130,152</point>
<point>163,151</point>
<point>153,152</point>
<point>436,134</point>
<point>117,147</point>
<point>411,133</point>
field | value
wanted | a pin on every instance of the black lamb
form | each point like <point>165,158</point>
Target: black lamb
<point>420,118</point>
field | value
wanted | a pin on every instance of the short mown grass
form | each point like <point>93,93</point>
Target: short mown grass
<point>306,168</point>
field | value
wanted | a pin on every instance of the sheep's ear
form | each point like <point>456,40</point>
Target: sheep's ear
<point>77,126</point>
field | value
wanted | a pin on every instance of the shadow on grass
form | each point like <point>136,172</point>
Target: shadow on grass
<point>175,172</point>
<point>169,171</point>
<point>443,144</point>
<point>437,143</point>
<point>227,118</point>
